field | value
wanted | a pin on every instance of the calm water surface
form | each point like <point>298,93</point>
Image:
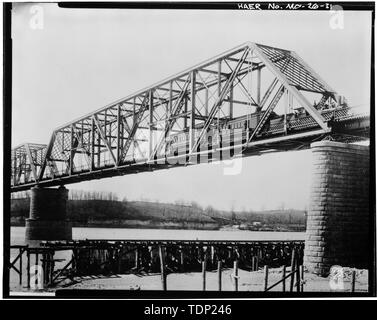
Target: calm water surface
<point>18,234</point>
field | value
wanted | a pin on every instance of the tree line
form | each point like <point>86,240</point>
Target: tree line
<point>85,203</point>
<point>77,195</point>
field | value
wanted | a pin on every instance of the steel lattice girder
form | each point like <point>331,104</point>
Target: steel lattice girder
<point>135,129</point>
<point>27,160</point>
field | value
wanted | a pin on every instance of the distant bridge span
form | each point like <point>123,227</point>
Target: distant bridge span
<point>249,100</point>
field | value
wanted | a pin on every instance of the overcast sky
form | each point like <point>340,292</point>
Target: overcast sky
<point>84,59</point>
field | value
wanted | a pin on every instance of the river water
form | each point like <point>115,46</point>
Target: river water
<point>18,234</point>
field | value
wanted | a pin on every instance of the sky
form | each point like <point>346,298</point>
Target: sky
<point>80,60</point>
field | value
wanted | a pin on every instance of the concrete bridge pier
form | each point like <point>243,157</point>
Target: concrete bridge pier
<point>48,212</point>
<point>338,217</point>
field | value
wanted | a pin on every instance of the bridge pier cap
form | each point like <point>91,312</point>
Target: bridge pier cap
<point>48,215</point>
<point>337,230</point>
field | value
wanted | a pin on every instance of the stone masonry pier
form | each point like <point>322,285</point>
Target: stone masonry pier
<point>338,217</point>
<point>47,220</point>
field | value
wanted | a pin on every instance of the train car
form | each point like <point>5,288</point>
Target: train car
<point>177,144</point>
<point>232,132</point>
<point>238,130</point>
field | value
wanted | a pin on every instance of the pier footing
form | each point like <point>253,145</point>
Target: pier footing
<point>47,219</point>
<point>338,216</point>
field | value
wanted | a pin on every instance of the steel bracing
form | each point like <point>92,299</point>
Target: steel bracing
<point>248,100</point>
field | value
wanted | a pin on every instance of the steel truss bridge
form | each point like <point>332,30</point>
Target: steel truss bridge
<point>249,100</point>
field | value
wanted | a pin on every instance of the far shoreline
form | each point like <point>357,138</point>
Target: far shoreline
<point>157,227</point>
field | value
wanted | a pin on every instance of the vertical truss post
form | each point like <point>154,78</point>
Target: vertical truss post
<point>17,171</point>
<point>62,144</point>
<point>33,169</point>
<point>169,108</point>
<point>150,150</point>
<point>98,149</point>
<point>167,117</point>
<point>290,101</point>
<point>170,105</point>
<point>121,137</point>
<point>110,135</point>
<point>259,78</point>
<point>133,110</point>
<point>206,102</point>
<point>14,167</point>
<point>219,78</point>
<point>71,152</point>
<point>105,124</point>
<point>231,102</point>
<point>286,103</point>
<point>82,134</point>
<point>185,113</point>
<point>133,122</point>
<point>192,115</point>
<point>107,143</point>
<point>118,135</point>
<point>23,167</point>
<point>250,74</point>
<point>92,142</point>
<point>218,85</point>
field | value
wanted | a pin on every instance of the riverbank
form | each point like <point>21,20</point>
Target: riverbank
<point>174,225</point>
<point>94,213</point>
<point>136,224</point>
<point>247,281</point>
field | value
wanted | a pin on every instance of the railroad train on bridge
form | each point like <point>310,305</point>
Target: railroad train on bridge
<point>238,130</point>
